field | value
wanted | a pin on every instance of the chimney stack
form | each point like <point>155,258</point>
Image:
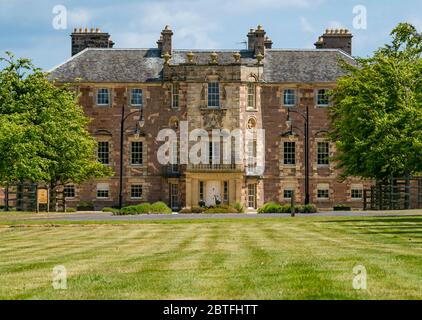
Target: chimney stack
<point>257,42</point>
<point>165,42</point>
<point>336,39</point>
<point>89,38</point>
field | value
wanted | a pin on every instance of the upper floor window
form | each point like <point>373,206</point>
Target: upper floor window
<point>213,95</point>
<point>175,96</point>
<point>69,191</point>
<point>322,97</point>
<point>103,152</point>
<point>103,97</point>
<point>136,153</point>
<point>251,96</point>
<point>289,97</point>
<point>289,153</point>
<point>323,153</point>
<point>136,97</point>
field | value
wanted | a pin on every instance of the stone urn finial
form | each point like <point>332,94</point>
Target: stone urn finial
<point>237,57</point>
<point>190,56</point>
<point>166,58</point>
<point>214,57</point>
<point>259,58</point>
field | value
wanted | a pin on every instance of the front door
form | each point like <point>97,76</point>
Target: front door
<point>213,192</point>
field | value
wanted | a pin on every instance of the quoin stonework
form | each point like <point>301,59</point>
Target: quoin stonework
<point>246,90</point>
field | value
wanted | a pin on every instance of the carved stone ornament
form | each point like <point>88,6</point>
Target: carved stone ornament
<point>213,119</point>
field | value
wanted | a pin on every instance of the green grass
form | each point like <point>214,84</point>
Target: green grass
<point>301,258</point>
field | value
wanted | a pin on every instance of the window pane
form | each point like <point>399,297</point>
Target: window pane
<point>323,153</point>
<point>226,192</point>
<point>357,194</point>
<point>323,194</point>
<point>136,153</point>
<point>136,99</point>
<point>69,191</point>
<point>103,152</point>
<point>213,95</point>
<point>289,153</point>
<point>288,194</point>
<point>103,191</point>
<point>103,97</point>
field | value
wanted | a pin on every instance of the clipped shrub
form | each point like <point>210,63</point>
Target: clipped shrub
<point>85,206</point>
<point>143,208</point>
<point>271,207</point>
<point>239,207</point>
<point>70,210</point>
<point>192,210</point>
<point>161,208</point>
<point>111,210</point>
<point>129,210</point>
<point>220,209</point>
<point>309,208</point>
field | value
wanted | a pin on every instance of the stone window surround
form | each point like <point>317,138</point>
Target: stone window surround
<point>358,187</point>
<point>141,190</point>
<point>136,106</point>
<point>72,186</point>
<point>323,187</point>
<point>322,140</point>
<point>128,149</point>
<point>316,94</point>
<point>173,94</point>
<point>103,187</point>
<point>110,97</point>
<point>295,95</point>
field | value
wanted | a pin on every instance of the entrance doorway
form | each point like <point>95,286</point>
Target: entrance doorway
<point>252,203</point>
<point>213,192</point>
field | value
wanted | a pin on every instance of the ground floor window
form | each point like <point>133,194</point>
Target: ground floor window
<point>288,194</point>
<point>69,191</point>
<point>103,191</point>
<point>323,194</point>
<point>201,191</point>
<point>357,194</point>
<point>252,196</point>
<point>174,195</point>
<point>136,191</point>
<point>226,192</point>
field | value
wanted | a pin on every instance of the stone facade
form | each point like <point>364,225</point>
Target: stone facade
<point>251,96</point>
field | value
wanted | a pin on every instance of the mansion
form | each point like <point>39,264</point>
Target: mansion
<point>281,91</point>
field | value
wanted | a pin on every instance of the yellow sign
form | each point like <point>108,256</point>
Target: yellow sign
<point>42,196</point>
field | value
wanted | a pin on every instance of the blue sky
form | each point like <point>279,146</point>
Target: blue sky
<point>26,25</point>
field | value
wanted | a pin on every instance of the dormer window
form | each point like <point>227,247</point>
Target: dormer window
<point>213,95</point>
<point>103,97</point>
<point>136,98</point>
<point>322,98</point>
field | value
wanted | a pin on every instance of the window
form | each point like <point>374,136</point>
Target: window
<point>288,194</point>
<point>289,153</point>
<point>251,96</point>
<point>136,153</point>
<point>252,196</point>
<point>201,190</point>
<point>174,195</point>
<point>213,95</point>
<point>69,191</point>
<point>289,97</point>
<point>252,155</point>
<point>103,97</point>
<point>175,96</point>
<point>136,191</point>
<point>357,194</point>
<point>214,153</point>
<point>323,194</point>
<point>103,191</point>
<point>226,192</point>
<point>136,97</point>
<point>322,97</point>
<point>103,152</point>
<point>323,153</point>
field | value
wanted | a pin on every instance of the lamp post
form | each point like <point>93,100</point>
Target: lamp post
<point>139,125</point>
<point>306,151</point>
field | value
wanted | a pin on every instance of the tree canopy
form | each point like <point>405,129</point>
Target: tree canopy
<point>43,130</point>
<point>377,110</point>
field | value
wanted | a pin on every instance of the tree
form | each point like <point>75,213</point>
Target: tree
<point>43,131</point>
<point>377,110</point>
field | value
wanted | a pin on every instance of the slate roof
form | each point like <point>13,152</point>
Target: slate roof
<point>146,65</point>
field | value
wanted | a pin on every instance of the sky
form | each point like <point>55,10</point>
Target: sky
<point>33,29</point>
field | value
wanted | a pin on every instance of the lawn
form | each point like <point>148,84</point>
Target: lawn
<point>301,258</point>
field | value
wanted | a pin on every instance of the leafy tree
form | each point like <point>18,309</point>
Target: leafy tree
<point>377,110</point>
<point>43,135</point>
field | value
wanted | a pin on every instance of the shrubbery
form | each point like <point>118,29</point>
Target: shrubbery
<point>144,208</point>
<point>272,207</point>
<point>70,210</point>
<point>237,208</point>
